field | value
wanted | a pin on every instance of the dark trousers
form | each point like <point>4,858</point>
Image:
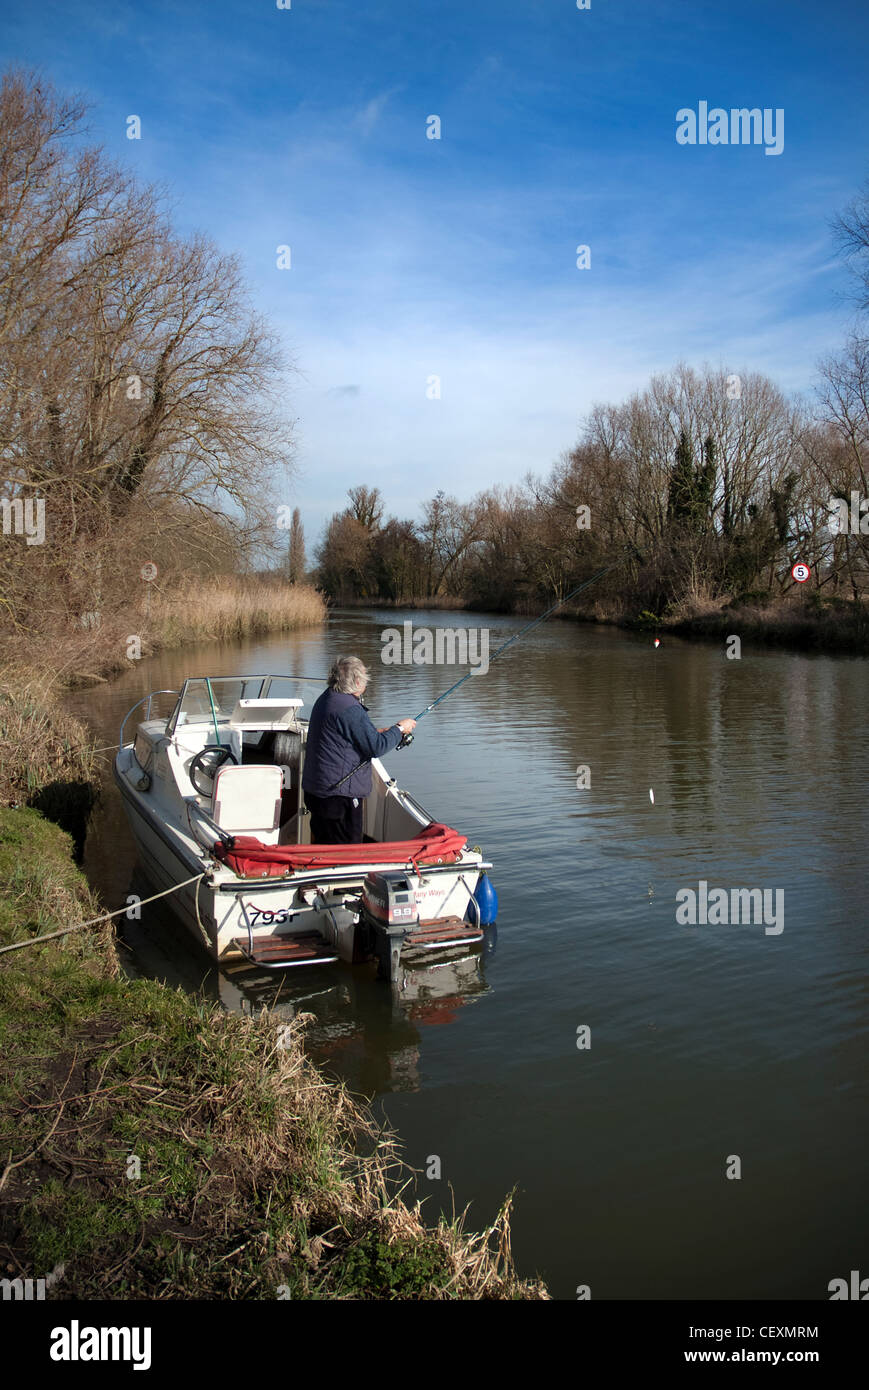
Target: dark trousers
<point>335,820</point>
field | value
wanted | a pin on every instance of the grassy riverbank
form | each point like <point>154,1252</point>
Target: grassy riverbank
<point>99,645</point>
<point>156,1147</point>
<point>802,622</point>
<point>809,623</point>
<point>45,754</point>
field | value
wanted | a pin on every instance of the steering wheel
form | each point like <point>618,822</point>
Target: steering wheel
<point>208,761</point>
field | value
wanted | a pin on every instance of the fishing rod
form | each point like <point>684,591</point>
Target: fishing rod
<point>407,739</point>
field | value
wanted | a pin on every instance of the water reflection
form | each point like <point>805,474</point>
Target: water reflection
<point>371,1030</point>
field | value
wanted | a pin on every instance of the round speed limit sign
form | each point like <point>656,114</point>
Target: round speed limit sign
<point>149,572</point>
<point>800,572</point>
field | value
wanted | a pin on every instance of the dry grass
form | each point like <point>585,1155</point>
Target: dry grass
<point>40,743</point>
<point>231,608</point>
<point>225,609</point>
<point>698,604</point>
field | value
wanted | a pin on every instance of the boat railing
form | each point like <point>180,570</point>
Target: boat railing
<point>194,813</point>
<point>152,696</point>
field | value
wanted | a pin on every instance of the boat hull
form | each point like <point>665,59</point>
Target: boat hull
<point>232,916</point>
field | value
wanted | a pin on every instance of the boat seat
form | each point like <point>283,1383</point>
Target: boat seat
<point>248,800</point>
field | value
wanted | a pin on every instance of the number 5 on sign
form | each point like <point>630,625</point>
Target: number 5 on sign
<point>800,572</point>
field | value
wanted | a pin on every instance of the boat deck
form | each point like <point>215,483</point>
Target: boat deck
<point>282,952</point>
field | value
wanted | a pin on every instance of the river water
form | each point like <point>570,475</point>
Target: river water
<point>611,1063</point>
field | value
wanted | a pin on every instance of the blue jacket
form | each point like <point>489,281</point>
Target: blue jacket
<point>340,735</point>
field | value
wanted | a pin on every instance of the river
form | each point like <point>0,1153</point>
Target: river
<point>681,1108</point>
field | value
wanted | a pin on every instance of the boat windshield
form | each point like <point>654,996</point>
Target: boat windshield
<point>205,698</point>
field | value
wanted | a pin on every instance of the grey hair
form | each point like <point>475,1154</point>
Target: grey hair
<point>347,674</point>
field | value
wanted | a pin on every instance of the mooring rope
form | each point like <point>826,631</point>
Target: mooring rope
<point>50,936</point>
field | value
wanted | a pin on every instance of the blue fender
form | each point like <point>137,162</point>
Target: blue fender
<point>487,901</point>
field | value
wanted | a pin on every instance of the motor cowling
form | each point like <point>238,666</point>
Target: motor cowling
<point>389,899</point>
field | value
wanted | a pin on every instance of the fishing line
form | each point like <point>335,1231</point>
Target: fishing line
<point>654,702</point>
<point>655,650</point>
<point>521,633</point>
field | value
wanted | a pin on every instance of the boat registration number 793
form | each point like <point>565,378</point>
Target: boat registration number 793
<point>265,916</point>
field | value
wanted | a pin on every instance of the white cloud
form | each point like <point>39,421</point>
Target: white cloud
<point>367,118</point>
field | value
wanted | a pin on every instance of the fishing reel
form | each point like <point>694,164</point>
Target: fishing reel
<point>405,741</point>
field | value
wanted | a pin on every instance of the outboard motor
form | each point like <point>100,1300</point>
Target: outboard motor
<point>389,911</point>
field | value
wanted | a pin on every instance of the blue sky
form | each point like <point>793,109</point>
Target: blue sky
<point>456,257</point>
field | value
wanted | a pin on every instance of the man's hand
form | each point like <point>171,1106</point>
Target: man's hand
<point>407,726</point>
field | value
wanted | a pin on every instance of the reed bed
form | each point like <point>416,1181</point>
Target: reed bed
<point>63,652</point>
<point>229,609</point>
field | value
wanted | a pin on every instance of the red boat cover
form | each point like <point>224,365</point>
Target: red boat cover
<point>250,858</point>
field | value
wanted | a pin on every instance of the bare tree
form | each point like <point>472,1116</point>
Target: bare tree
<point>851,229</point>
<point>447,531</point>
<point>841,452</point>
<point>137,385</point>
<point>366,506</point>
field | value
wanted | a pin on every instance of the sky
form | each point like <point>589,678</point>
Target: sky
<point>415,258</point>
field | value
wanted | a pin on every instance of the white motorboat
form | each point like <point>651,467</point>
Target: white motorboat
<point>214,797</point>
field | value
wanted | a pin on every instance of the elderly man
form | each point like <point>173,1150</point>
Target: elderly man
<point>340,735</point>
